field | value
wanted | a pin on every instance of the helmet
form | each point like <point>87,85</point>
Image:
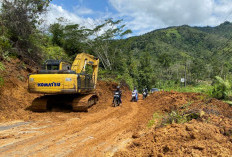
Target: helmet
<point>134,88</point>
<point>118,87</point>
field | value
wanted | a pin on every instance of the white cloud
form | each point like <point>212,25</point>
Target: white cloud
<point>145,15</point>
<point>80,10</point>
<point>55,12</point>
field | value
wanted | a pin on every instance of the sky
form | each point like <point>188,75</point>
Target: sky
<point>142,16</point>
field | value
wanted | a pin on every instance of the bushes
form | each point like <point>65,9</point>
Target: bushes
<point>5,47</point>
<point>157,117</point>
<point>179,117</point>
<point>55,52</point>
<point>220,89</point>
<point>4,43</point>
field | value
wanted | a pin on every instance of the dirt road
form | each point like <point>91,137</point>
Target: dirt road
<point>108,131</point>
<point>73,134</point>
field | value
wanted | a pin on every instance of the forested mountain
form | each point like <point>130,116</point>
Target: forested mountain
<point>205,51</point>
<point>155,59</point>
<point>223,29</point>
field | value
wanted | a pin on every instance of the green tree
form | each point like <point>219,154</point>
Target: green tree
<point>165,59</point>
<point>57,31</point>
<point>75,38</point>
<point>20,18</point>
<point>145,71</point>
<point>103,35</point>
<point>220,88</point>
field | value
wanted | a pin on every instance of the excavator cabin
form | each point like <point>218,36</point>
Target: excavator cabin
<point>56,65</point>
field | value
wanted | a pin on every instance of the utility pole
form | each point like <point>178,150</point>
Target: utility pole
<point>185,75</point>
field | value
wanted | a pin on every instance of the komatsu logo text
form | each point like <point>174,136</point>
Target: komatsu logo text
<point>49,84</point>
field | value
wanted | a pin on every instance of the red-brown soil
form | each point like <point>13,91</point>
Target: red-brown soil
<point>209,135</point>
<point>108,131</point>
<point>189,139</point>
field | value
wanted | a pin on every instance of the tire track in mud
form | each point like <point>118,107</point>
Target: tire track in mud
<point>95,133</point>
<point>109,133</point>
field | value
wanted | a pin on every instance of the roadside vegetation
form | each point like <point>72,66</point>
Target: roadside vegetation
<point>158,59</point>
<point>183,115</point>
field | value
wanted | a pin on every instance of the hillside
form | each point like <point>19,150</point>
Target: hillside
<point>223,29</point>
<point>182,38</point>
<point>196,121</point>
<point>181,42</point>
<point>202,49</point>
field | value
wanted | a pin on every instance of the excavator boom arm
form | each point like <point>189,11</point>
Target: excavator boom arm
<point>84,59</point>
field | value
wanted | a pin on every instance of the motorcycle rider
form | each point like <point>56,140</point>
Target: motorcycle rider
<point>145,92</point>
<point>136,93</point>
<point>118,92</point>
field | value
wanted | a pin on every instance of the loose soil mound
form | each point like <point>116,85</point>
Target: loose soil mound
<point>190,139</point>
<point>169,101</point>
<point>15,99</point>
<point>211,134</point>
<point>105,91</point>
<point>208,135</point>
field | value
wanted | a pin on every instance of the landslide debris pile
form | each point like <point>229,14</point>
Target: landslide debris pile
<point>105,91</point>
<point>209,134</point>
<point>15,99</point>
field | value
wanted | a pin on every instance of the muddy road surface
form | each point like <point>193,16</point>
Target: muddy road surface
<point>97,133</point>
<point>120,131</point>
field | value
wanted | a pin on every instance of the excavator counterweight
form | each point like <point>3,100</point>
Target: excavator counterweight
<point>66,84</point>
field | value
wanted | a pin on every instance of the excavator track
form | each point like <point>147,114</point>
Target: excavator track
<point>39,104</point>
<point>79,103</point>
<point>82,103</point>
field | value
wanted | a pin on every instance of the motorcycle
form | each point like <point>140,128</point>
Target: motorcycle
<point>144,95</point>
<point>134,99</point>
<point>116,101</point>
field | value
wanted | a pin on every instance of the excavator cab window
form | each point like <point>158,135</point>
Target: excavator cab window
<point>52,67</point>
<point>56,67</point>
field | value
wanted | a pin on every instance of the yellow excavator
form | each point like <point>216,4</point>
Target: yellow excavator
<point>65,84</point>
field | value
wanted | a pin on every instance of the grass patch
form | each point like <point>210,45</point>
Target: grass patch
<point>203,88</point>
<point>179,117</point>
<point>176,116</point>
<point>228,102</point>
<point>157,117</point>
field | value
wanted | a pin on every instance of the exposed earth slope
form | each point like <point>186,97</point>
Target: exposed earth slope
<point>108,131</point>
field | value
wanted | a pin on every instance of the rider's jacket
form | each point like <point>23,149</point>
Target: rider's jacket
<point>135,91</point>
<point>118,92</point>
<point>145,90</point>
